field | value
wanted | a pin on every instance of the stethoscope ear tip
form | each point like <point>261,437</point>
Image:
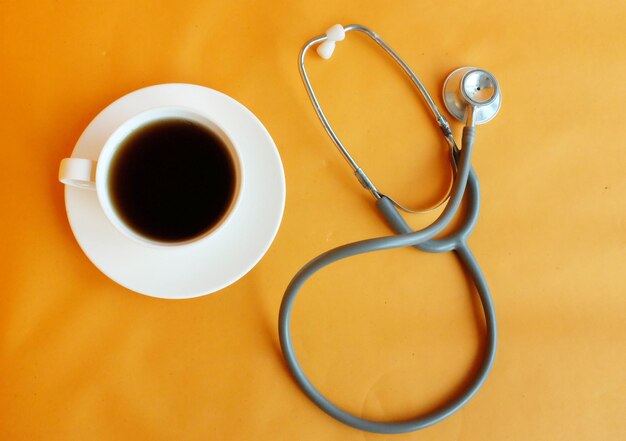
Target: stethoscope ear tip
<point>326,49</point>
<point>334,33</point>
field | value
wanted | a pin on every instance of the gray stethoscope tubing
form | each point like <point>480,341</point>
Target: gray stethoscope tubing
<point>421,239</point>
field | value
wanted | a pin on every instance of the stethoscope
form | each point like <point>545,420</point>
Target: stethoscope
<point>473,97</point>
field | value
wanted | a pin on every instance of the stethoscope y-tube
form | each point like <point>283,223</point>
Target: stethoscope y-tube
<point>465,185</point>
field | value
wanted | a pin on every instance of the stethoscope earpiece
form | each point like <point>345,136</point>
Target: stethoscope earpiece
<point>333,34</point>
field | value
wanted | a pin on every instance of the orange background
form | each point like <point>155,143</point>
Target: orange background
<point>386,335</point>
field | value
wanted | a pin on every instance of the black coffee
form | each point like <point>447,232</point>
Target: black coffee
<point>172,180</point>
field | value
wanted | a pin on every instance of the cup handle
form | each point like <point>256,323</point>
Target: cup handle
<point>78,172</point>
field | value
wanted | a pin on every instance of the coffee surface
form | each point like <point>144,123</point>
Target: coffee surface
<point>172,180</point>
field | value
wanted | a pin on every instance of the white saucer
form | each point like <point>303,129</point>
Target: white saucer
<point>213,263</point>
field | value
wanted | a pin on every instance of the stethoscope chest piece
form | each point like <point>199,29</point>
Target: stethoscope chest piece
<point>469,86</point>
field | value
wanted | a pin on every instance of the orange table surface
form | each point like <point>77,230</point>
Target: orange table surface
<point>387,335</point>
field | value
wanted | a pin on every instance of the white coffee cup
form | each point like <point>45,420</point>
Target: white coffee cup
<point>94,175</point>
